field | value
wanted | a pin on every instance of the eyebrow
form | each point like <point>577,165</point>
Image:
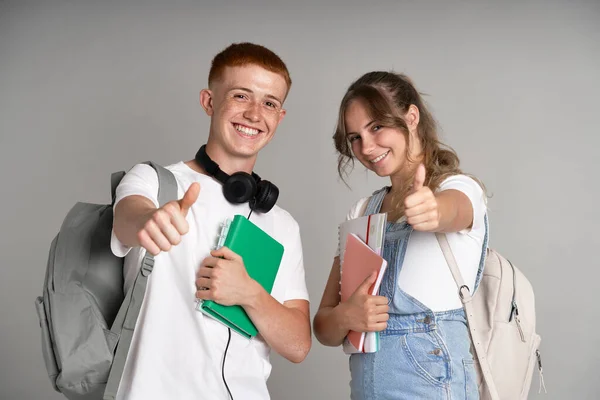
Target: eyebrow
<point>243,89</point>
<point>365,127</point>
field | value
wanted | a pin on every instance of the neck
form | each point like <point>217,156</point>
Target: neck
<point>226,162</point>
<point>399,182</point>
<point>403,179</point>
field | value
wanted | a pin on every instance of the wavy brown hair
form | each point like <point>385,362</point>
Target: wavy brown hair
<point>387,97</point>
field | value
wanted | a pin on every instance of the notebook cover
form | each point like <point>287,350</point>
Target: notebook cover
<point>359,262</point>
<point>262,257</point>
<point>369,228</point>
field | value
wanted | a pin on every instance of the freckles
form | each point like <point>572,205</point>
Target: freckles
<point>228,107</point>
<point>270,119</point>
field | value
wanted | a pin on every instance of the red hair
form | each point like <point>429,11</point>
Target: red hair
<point>241,54</point>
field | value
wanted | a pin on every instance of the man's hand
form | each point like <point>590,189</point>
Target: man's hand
<point>223,278</point>
<point>420,206</point>
<point>163,227</point>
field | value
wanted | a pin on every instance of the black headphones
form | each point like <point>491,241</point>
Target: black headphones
<point>241,187</point>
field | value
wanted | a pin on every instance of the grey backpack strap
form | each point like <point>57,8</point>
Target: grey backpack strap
<point>465,297</point>
<point>167,185</point>
<point>130,309</point>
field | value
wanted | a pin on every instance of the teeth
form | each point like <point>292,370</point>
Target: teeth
<point>375,160</point>
<point>246,130</point>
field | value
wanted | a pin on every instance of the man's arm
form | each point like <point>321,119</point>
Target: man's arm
<point>138,222</point>
<point>131,214</point>
<point>223,278</point>
<point>285,327</point>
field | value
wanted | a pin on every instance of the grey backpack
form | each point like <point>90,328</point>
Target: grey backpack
<point>87,321</point>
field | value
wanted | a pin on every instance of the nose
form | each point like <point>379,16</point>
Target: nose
<point>252,112</point>
<point>368,145</point>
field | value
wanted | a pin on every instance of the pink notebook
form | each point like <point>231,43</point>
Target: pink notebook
<point>359,262</point>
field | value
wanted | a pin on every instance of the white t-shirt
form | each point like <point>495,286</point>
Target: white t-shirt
<point>425,275</point>
<point>177,352</point>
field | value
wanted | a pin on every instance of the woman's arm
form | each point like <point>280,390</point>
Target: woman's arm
<point>455,211</point>
<point>361,312</point>
<point>446,211</point>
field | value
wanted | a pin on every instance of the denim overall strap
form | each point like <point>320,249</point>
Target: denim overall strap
<point>375,201</point>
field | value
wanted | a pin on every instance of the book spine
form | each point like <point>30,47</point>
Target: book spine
<point>225,226</point>
<point>340,256</point>
<point>368,229</point>
<point>232,231</point>
<point>218,243</point>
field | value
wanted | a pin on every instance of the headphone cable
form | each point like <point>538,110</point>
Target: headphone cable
<point>223,367</point>
<point>227,347</point>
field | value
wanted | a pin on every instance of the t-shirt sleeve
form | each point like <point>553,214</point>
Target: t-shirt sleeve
<point>296,283</point>
<point>475,193</point>
<point>141,180</point>
<point>357,210</point>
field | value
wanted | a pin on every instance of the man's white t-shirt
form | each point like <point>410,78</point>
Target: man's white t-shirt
<point>425,275</point>
<point>177,352</point>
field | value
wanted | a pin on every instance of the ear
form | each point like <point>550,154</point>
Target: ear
<point>281,115</point>
<point>412,117</point>
<point>412,121</point>
<point>206,101</point>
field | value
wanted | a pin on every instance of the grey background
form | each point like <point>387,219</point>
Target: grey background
<point>89,87</point>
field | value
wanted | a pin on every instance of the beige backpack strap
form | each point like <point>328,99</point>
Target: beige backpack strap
<point>465,297</point>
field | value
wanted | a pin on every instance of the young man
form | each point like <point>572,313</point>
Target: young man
<point>178,352</point>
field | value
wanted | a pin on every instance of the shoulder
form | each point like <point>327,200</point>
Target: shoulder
<point>473,190</point>
<point>143,171</point>
<point>142,180</point>
<point>467,185</point>
<point>183,174</point>
<point>284,219</point>
<point>458,181</point>
<point>359,207</point>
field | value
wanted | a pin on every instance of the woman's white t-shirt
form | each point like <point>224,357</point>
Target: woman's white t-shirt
<point>425,274</point>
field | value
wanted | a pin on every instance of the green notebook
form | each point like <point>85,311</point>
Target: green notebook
<point>262,256</point>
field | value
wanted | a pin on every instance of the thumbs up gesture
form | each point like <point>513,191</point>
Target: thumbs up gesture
<point>365,312</point>
<point>420,206</point>
<point>165,226</point>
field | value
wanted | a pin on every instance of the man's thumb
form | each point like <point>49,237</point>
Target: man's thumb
<point>190,197</point>
<point>419,180</point>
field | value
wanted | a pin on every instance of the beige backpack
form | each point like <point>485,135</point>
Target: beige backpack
<point>501,318</point>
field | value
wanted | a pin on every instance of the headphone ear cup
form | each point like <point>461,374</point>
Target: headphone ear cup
<point>239,188</point>
<point>266,196</point>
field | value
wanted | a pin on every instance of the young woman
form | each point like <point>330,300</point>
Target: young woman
<point>424,340</point>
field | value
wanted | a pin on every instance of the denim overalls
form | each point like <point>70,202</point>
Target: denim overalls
<point>423,354</point>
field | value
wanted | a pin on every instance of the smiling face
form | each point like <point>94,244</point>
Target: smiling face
<point>379,148</point>
<point>245,106</point>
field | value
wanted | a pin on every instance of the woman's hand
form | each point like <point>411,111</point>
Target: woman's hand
<point>364,312</point>
<point>421,206</point>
